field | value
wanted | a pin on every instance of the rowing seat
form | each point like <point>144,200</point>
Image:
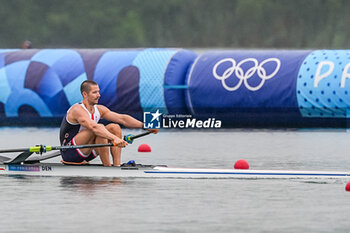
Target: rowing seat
<point>75,164</point>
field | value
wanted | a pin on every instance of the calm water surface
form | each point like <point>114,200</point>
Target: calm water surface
<point>57,204</point>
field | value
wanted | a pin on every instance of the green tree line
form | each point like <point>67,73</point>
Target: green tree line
<point>176,23</point>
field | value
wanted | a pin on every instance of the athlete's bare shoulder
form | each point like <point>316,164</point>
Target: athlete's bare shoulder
<point>76,112</point>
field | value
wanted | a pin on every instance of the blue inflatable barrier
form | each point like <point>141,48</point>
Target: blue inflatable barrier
<point>38,86</point>
<point>245,86</point>
<point>174,81</point>
<point>254,88</point>
<point>323,88</point>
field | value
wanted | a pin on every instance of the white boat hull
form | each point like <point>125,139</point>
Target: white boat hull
<point>47,169</point>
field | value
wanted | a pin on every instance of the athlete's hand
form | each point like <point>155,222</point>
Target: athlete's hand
<point>119,142</point>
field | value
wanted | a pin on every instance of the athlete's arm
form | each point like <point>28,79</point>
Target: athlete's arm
<point>78,115</point>
<point>124,119</point>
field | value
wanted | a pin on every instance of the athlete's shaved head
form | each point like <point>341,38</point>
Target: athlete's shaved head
<point>86,86</point>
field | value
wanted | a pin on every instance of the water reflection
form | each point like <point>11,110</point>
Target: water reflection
<point>89,183</point>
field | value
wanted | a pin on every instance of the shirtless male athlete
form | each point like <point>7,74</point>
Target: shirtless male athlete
<point>80,126</point>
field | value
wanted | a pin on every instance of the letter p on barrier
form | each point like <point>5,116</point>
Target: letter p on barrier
<point>318,75</point>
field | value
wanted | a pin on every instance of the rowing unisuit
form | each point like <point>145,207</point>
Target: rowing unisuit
<point>68,131</point>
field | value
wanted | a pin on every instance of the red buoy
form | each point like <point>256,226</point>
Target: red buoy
<point>241,164</point>
<point>347,187</point>
<point>144,148</point>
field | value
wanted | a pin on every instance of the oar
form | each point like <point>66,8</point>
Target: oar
<point>26,152</point>
<point>42,148</point>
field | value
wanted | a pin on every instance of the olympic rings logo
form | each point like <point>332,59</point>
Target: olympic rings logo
<point>242,75</point>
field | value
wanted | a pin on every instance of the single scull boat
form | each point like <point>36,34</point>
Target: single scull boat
<point>25,164</point>
<point>161,171</point>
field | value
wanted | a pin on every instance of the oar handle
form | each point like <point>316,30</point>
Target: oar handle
<point>130,138</point>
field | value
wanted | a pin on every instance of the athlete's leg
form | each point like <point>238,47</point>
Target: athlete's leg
<point>88,137</point>
<point>79,155</point>
<point>115,150</point>
<point>85,137</point>
<point>103,151</point>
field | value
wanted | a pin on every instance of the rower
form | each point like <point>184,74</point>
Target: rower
<point>80,126</point>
